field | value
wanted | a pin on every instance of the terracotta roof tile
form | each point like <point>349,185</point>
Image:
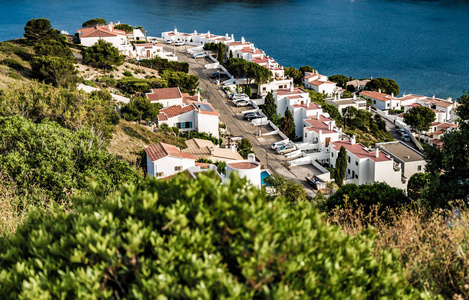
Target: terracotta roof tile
<point>164,93</point>
<point>160,150</point>
<point>174,110</point>
<point>377,96</point>
<point>359,151</point>
<point>100,31</point>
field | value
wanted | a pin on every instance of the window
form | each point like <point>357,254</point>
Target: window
<point>178,168</point>
<point>353,174</point>
<point>419,168</point>
<point>184,125</point>
<point>348,171</point>
<point>332,154</point>
<point>374,101</point>
<point>306,135</point>
<point>387,104</point>
<point>356,163</point>
<point>159,174</point>
<point>348,157</point>
<point>356,176</point>
<point>264,89</point>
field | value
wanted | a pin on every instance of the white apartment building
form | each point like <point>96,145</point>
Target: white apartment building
<point>196,38</point>
<point>165,160</point>
<point>320,130</point>
<point>342,103</point>
<point>319,83</point>
<point>118,38</point>
<point>366,166</point>
<point>382,101</point>
<point>191,116</point>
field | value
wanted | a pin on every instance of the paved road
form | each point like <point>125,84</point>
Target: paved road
<point>392,129</point>
<point>233,120</point>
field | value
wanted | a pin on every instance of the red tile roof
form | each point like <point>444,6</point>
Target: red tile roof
<point>174,110</point>
<point>286,92</point>
<point>100,31</point>
<point>239,44</point>
<point>164,93</point>
<point>376,95</point>
<point>359,151</point>
<point>310,106</point>
<point>197,104</point>
<point>319,82</point>
<point>160,150</point>
<point>447,125</point>
<point>186,96</point>
<point>244,165</point>
<point>317,125</point>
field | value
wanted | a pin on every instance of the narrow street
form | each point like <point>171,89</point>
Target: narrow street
<point>233,118</point>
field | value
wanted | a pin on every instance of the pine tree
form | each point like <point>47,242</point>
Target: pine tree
<point>270,108</point>
<point>287,125</point>
<point>341,166</point>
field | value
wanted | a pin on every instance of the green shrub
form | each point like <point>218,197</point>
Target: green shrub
<point>194,239</point>
<point>127,73</point>
<point>12,64</point>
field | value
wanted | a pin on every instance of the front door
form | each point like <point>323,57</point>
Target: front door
<point>148,53</point>
<point>328,140</point>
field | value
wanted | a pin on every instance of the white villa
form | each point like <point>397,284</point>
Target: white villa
<point>165,160</point>
<point>118,38</point>
<point>342,103</point>
<point>166,96</point>
<point>206,149</point>
<point>150,51</point>
<point>320,130</point>
<point>319,83</point>
<point>197,116</point>
<point>366,166</point>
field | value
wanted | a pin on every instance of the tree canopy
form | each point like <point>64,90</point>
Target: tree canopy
<point>140,108</point>
<point>287,125</point>
<point>245,147</point>
<point>420,118</point>
<point>270,108</point>
<point>341,80</point>
<point>102,55</point>
<point>241,68</point>
<point>125,27</point>
<point>187,83</point>
<point>340,166</point>
<point>185,238</point>
<point>387,86</point>
<point>37,29</point>
<point>94,22</point>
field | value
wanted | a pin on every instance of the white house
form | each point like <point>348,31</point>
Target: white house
<point>320,130</point>
<point>165,160</point>
<point>382,101</point>
<point>366,166</point>
<point>249,169</point>
<point>359,85</point>
<point>410,160</point>
<point>166,96</point>
<point>342,103</point>
<point>319,83</point>
<point>191,116</point>
<point>196,38</point>
<point>118,38</point>
<point>137,35</point>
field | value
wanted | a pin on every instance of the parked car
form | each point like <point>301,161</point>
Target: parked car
<point>240,97</point>
<point>242,103</point>
<point>401,131</point>
<point>286,149</point>
<point>179,43</point>
<point>251,116</point>
<point>278,144</point>
<point>406,137</point>
<point>216,75</point>
<point>169,41</point>
<point>199,55</point>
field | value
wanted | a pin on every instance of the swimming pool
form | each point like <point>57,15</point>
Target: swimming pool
<point>264,175</point>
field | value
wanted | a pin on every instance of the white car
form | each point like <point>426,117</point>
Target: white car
<point>169,41</point>
<point>279,144</point>
<point>286,149</point>
<point>199,55</point>
<point>240,97</point>
<point>242,103</point>
<point>179,43</point>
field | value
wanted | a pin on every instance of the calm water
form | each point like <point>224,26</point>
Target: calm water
<point>423,45</point>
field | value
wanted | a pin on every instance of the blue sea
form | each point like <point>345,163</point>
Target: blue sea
<point>422,44</point>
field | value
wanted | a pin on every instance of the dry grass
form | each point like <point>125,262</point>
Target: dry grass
<point>433,247</point>
<point>11,215</point>
<point>130,140</point>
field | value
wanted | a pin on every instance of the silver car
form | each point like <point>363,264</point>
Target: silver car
<point>286,149</point>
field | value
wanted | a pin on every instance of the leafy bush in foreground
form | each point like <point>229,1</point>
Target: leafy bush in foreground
<point>185,238</point>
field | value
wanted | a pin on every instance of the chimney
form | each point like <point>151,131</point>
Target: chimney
<point>335,97</point>
<point>292,88</point>
<point>198,95</point>
<point>339,96</point>
<point>175,30</point>
<point>354,96</point>
<point>317,115</point>
<point>379,90</point>
<point>109,26</point>
<point>208,33</point>
<point>232,37</point>
<point>243,40</point>
<point>352,140</point>
<point>195,32</point>
<point>251,157</point>
<point>433,96</point>
<point>212,150</point>
<point>403,95</point>
<point>233,148</point>
<point>376,152</point>
<point>329,126</point>
<point>392,95</point>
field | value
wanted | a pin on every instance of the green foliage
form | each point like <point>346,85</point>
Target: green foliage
<point>219,48</point>
<point>416,184</point>
<point>367,195</point>
<point>186,83</point>
<point>420,118</point>
<point>160,64</point>
<point>270,108</point>
<point>109,82</point>
<point>291,190</point>
<point>248,91</point>
<point>127,73</point>
<point>89,83</point>
<point>140,108</point>
<point>94,22</point>
<point>305,69</point>
<point>70,108</point>
<point>202,135</point>
<point>125,27</point>
<point>194,239</point>
<point>55,70</point>
<point>241,68</point>
<point>221,165</point>
<point>133,85</point>
<point>387,86</point>
<point>295,74</point>
<point>287,125</point>
<point>14,64</point>
<point>37,30</point>
<point>47,159</point>
<point>244,148</point>
<point>341,80</point>
<point>53,48</point>
<point>340,167</point>
<point>102,55</point>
